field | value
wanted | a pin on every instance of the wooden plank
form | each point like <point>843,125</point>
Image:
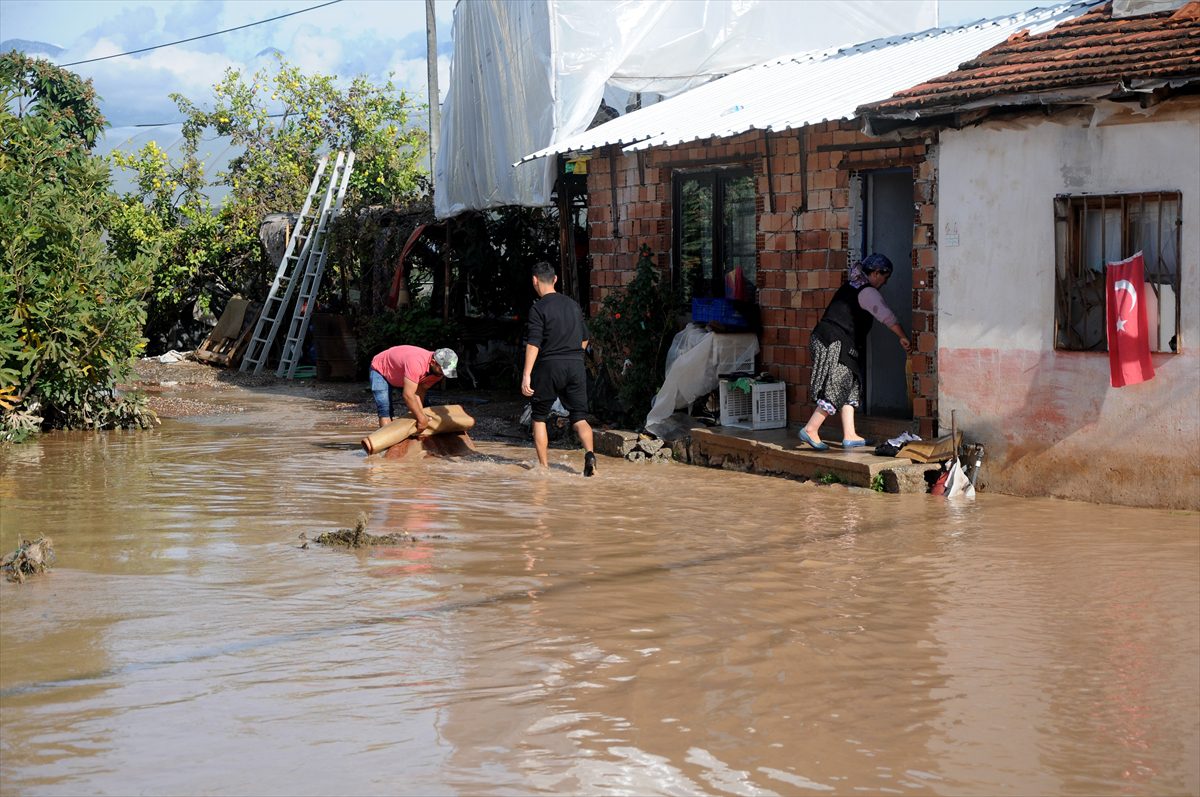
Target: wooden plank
<point>227,350</point>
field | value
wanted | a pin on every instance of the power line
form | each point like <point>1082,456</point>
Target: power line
<point>205,36</point>
<point>181,121</point>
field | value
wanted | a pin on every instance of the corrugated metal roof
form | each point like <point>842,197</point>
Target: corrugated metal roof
<point>813,87</point>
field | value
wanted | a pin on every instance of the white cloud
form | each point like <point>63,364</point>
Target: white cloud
<point>136,89</point>
<point>314,53</point>
<point>350,38</point>
<point>412,75</point>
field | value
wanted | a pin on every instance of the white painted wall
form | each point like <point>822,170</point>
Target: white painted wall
<point>1054,424</point>
<point>996,288</point>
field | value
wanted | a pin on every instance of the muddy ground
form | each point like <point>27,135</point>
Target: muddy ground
<point>189,388</point>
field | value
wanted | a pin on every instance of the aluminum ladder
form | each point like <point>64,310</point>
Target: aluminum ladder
<point>267,326</point>
<point>314,268</point>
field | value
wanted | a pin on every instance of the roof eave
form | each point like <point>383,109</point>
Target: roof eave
<point>956,115</point>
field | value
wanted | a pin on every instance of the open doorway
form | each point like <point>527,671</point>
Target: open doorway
<point>887,228</point>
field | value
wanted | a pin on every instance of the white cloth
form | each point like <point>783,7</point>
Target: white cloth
<point>556,409</point>
<point>694,361</point>
<point>902,438</point>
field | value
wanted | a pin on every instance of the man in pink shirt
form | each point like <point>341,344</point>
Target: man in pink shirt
<point>414,370</point>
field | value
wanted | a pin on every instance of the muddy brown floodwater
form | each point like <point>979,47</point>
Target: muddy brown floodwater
<point>659,629</point>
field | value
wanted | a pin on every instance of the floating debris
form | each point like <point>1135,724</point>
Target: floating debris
<point>358,537</point>
<point>31,558</point>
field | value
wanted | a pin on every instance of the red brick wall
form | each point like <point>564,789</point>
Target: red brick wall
<point>802,247</point>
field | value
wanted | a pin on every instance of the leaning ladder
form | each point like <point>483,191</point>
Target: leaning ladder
<point>297,253</point>
<point>310,282</point>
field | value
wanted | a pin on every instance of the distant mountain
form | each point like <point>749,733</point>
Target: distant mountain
<point>30,48</point>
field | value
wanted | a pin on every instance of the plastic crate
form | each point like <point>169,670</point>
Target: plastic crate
<point>764,407</point>
<point>718,312</point>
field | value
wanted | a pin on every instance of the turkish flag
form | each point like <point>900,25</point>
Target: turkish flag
<point>1128,333</point>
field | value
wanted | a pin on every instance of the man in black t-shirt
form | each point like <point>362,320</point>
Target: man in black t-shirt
<point>555,339</point>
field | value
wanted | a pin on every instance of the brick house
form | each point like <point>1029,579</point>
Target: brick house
<point>809,216</point>
<point>768,170</point>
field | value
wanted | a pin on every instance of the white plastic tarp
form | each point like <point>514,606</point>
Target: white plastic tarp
<point>529,73</point>
<point>696,359</point>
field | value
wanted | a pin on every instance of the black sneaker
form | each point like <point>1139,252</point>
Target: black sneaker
<point>589,464</point>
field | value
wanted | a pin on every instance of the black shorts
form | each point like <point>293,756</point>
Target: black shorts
<point>565,380</point>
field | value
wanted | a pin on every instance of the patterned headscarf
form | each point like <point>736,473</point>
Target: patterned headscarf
<point>872,262</point>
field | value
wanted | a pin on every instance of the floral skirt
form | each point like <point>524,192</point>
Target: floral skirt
<point>832,385</point>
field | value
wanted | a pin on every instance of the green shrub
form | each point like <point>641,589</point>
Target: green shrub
<point>169,213</point>
<point>71,313</point>
<point>209,252</point>
<point>631,335</point>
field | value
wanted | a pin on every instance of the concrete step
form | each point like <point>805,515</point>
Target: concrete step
<point>779,452</point>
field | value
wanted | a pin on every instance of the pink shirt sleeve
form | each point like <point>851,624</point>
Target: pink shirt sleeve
<point>872,301</point>
<point>401,362</point>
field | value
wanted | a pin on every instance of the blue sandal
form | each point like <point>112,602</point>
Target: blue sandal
<point>853,443</point>
<point>816,444</point>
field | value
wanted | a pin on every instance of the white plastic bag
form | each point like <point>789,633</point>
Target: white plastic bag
<point>957,482</point>
<point>556,409</point>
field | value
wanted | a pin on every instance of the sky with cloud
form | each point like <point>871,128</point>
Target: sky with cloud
<point>352,37</point>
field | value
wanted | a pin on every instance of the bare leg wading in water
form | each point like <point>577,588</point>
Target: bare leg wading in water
<point>556,337</point>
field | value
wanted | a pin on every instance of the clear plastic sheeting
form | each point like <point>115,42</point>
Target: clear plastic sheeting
<point>529,73</point>
<point>500,100</point>
<point>694,362</point>
<point>800,89</point>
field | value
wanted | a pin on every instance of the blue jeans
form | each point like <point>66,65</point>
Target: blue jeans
<point>382,389</point>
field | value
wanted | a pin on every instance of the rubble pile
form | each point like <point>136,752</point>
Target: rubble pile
<point>632,446</point>
<point>358,537</point>
<point>29,559</point>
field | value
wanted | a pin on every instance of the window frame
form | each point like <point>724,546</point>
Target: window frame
<point>1076,283</point>
<point>717,177</point>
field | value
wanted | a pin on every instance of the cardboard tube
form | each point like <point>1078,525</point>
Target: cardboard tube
<point>448,418</point>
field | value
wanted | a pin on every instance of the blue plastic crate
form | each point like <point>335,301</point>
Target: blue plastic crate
<point>718,312</point>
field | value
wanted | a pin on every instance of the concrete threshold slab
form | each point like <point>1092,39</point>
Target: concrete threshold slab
<point>778,452</point>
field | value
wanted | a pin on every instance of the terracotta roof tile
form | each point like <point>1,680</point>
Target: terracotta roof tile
<point>1093,49</point>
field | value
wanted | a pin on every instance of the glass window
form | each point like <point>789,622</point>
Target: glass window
<point>715,224</point>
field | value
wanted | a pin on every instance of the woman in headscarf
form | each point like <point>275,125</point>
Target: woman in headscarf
<point>838,348</point>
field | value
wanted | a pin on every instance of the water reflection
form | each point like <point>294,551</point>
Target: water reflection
<point>659,629</point>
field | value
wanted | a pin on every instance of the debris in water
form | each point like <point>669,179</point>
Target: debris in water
<point>358,537</point>
<point>31,558</point>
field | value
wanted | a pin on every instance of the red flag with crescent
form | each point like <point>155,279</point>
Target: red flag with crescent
<point>1128,334</point>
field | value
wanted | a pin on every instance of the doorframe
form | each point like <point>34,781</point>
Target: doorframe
<point>862,221</point>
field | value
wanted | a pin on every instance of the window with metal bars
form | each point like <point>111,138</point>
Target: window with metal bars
<point>1092,230</point>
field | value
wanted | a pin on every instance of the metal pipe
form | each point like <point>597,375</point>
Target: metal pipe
<point>978,463</point>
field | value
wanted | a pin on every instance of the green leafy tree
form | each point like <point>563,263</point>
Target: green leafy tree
<point>71,313</point>
<point>203,247</point>
<point>632,334</point>
<point>170,213</point>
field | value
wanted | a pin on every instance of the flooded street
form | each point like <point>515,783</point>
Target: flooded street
<point>660,629</point>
